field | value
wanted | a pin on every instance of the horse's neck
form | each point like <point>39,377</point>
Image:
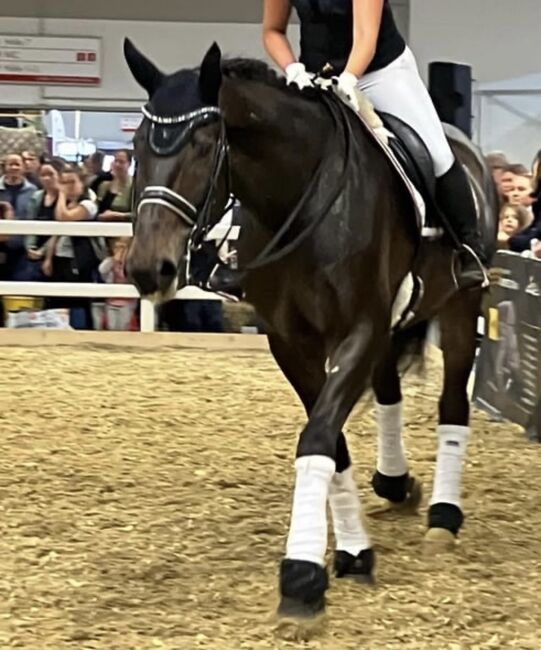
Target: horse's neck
<point>272,160</point>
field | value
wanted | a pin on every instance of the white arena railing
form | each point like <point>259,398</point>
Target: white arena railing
<point>90,290</point>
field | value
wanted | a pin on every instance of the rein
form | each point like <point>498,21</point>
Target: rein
<point>166,137</point>
<point>339,114</point>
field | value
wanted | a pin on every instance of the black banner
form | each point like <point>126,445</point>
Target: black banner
<point>508,371</point>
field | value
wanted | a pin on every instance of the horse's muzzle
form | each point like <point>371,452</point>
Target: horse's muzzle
<point>151,280</point>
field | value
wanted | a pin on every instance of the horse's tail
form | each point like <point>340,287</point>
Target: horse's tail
<point>409,345</point>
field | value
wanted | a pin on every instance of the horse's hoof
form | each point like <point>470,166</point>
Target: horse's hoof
<point>438,541</point>
<point>302,590</point>
<point>297,624</point>
<point>297,609</point>
<point>360,567</point>
<point>402,494</point>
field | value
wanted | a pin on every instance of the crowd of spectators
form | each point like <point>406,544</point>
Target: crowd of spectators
<point>34,187</point>
<point>519,190</point>
<point>49,188</point>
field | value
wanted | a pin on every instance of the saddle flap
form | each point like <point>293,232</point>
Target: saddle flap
<point>413,155</point>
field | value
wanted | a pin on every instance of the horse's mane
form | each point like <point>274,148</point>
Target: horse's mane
<point>252,70</point>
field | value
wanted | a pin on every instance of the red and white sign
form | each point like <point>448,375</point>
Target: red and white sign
<point>50,60</point>
<point>130,123</point>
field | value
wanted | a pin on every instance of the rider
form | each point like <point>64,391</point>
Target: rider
<point>360,40</point>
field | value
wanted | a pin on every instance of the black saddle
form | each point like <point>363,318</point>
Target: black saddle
<point>412,153</point>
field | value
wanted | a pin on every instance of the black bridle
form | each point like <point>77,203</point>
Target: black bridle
<point>201,218</point>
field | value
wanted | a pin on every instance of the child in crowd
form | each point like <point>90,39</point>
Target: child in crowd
<point>119,312</point>
<point>513,219</point>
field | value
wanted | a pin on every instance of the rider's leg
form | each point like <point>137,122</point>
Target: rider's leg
<point>399,90</point>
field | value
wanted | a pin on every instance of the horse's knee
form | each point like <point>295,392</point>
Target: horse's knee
<point>317,440</point>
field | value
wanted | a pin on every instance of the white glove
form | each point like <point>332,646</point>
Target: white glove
<point>345,89</point>
<point>296,74</point>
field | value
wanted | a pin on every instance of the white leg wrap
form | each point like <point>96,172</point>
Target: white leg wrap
<point>307,538</point>
<point>451,450</point>
<point>346,514</point>
<point>391,455</point>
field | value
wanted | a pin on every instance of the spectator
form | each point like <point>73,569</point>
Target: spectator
<point>536,187</point>
<point>114,196</point>
<point>96,175</point>
<point>497,163</point>
<point>520,192</point>
<point>42,208</point>
<point>513,219</point>
<point>530,238</point>
<point>507,178</point>
<point>6,212</point>
<point>32,165</point>
<point>74,259</point>
<point>119,312</point>
<point>16,190</point>
<point>523,241</point>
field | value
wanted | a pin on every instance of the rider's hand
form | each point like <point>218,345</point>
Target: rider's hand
<point>345,88</point>
<point>296,74</point>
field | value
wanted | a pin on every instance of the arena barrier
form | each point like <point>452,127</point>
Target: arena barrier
<point>508,376</point>
<point>91,290</point>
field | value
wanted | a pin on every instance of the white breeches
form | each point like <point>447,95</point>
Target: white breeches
<point>399,90</point>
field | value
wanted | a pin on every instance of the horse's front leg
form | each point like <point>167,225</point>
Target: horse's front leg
<point>303,364</point>
<point>303,576</point>
<point>458,323</point>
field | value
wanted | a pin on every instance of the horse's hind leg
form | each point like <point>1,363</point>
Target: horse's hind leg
<point>392,480</point>
<point>458,323</point>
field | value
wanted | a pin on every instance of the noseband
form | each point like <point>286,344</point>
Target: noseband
<point>166,137</point>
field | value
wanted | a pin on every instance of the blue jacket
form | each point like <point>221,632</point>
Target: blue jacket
<point>22,209</point>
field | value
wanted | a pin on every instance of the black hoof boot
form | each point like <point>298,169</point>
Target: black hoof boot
<point>446,516</point>
<point>360,567</point>
<point>401,491</point>
<point>302,588</point>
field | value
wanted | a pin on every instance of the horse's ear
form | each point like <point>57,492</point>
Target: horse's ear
<point>144,71</point>
<point>210,77</point>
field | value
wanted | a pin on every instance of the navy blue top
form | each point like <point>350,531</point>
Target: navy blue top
<point>327,35</point>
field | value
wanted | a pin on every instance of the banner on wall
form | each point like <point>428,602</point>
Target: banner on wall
<point>50,60</point>
<point>508,375</point>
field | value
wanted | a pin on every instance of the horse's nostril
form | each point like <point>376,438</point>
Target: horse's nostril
<point>167,269</point>
<point>144,280</point>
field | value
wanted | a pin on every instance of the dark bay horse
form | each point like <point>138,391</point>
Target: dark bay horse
<point>328,237</point>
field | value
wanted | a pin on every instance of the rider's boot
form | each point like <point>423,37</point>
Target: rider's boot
<point>455,198</point>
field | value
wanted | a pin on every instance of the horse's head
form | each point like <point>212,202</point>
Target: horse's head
<point>182,178</point>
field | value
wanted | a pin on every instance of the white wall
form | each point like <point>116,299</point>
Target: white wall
<point>170,45</point>
<point>498,38</point>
